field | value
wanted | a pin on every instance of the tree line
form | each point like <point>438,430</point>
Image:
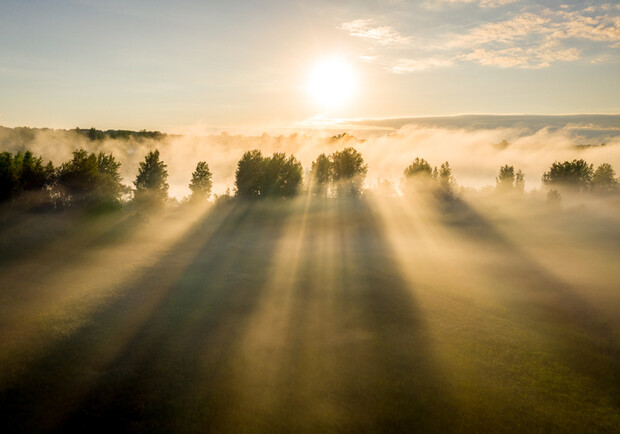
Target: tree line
<point>90,179</point>
<point>94,134</point>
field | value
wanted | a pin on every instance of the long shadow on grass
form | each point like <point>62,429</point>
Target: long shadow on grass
<point>127,370</point>
<point>585,342</point>
<point>54,238</point>
<point>357,353</point>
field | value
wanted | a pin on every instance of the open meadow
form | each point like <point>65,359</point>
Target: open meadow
<point>314,314</point>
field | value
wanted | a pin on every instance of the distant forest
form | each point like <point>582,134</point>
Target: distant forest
<point>25,136</point>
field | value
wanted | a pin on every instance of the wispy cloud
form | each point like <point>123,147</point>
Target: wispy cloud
<point>506,31</point>
<point>527,39</point>
<point>552,24</point>
<point>367,29</point>
<point>533,57</point>
<point>579,26</point>
<point>532,40</point>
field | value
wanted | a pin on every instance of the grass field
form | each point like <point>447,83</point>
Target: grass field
<point>313,315</point>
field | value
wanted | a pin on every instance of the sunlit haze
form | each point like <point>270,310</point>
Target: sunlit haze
<point>373,216</point>
<point>332,83</point>
<point>173,66</point>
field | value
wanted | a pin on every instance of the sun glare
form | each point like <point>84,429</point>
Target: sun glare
<point>331,83</point>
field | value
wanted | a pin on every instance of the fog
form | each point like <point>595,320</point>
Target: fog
<point>318,314</point>
<point>411,311</point>
<point>475,154</point>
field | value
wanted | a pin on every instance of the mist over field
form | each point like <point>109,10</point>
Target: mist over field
<point>475,147</point>
<point>450,302</point>
<point>264,217</point>
<point>314,315</point>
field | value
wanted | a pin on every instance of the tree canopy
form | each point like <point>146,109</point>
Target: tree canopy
<point>576,174</point>
<point>150,183</point>
<point>604,179</point>
<point>510,180</point>
<point>445,179</point>
<point>419,167</point>
<point>90,179</point>
<point>23,172</point>
<point>348,171</point>
<point>420,176</point>
<point>201,182</point>
<point>258,177</point>
<point>249,174</point>
<point>321,174</point>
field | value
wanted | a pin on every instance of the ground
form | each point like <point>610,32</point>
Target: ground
<point>312,315</point>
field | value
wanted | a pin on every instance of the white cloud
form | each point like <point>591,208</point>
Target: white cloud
<point>534,40</point>
<point>382,35</point>
<point>525,40</point>
<point>579,26</point>
<point>517,57</point>
<point>551,24</point>
<point>504,31</point>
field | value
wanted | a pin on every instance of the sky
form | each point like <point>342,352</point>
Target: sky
<point>179,65</point>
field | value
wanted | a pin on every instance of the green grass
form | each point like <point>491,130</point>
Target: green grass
<point>313,316</point>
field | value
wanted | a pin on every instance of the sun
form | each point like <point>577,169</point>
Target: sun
<point>331,83</point>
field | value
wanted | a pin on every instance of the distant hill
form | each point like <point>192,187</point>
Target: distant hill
<point>95,134</point>
<point>585,125</point>
<point>22,137</point>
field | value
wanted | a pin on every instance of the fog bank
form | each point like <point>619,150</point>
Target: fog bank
<point>475,154</point>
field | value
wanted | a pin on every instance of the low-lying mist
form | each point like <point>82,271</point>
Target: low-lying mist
<point>475,155</point>
<point>441,308</point>
<point>410,310</point>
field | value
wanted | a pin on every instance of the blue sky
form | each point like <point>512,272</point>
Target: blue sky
<point>171,65</point>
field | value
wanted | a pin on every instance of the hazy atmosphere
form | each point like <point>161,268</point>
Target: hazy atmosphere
<point>371,216</point>
<point>191,64</point>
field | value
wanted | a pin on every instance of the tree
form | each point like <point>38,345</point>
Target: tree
<point>321,174</point>
<point>505,181</point>
<point>249,174</point>
<point>89,179</point>
<point>258,176</point>
<point>445,179</point>
<point>150,183</point>
<point>23,172</point>
<point>509,180</point>
<point>282,176</point>
<point>201,183</point>
<point>8,176</point>
<point>77,177</point>
<point>109,186</point>
<point>348,171</point>
<point>419,176</point>
<point>31,172</point>
<point>419,168</point>
<point>576,174</point>
<point>604,179</point>
<point>95,134</point>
